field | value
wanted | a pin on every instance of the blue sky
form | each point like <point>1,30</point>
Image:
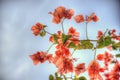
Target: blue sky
<point>17,41</point>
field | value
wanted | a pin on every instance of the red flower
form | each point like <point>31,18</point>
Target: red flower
<point>73,32</point>
<point>60,13</point>
<point>101,69</point>
<point>107,59</point>
<point>38,57</point>
<point>92,17</point>
<point>56,20</point>
<point>75,40</point>
<point>51,39</point>
<point>114,74</point>
<point>100,57</point>
<point>100,34</point>
<point>79,18</point>
<point>62,51</point>
<point>113,31</point>
<point>64,65</point>
<point>114,35</point>
<point>93,70</point>
<point>50,58</point>
<point>80,68</point>
<point>69,13</point>
<point>37,28</point>
<point>95,18</point>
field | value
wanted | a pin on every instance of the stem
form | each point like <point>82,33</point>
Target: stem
<point>95,54</point>
<point>85,40</point>
<point>62,25</point>
<point>86,31</point>
<point>105,32</point>
<point>95,61</point>
<point>48,32</point>
<point>73,51</point>
<point>50,48</point>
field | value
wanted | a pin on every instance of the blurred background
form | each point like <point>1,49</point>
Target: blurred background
<point>17,41</point>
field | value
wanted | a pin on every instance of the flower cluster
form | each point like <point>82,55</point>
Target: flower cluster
<point>80,18</point>
<point>63,57</point>
<point>106,57</point>
<point>61,13</point>
<point>114,74</point>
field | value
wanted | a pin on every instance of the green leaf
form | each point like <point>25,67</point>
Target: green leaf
<point>56,75</point>
<point>65,78</point>
<point>117,55</point>
<point>109,32</point>
<point>79,47</point>
<point>59,78</point>
<point>76,78</point>
<point>42,33</point>
<point>51,77</point>
<point>107,41</point>
<point>55,37</point>
<point>45,26</point>
<point>65,37</point>
<point>82,78</point>
<point>116,45</point>
<point>86,44</point>
<point>113,62</point>
<point>71,45</point>
<point>103,42</point>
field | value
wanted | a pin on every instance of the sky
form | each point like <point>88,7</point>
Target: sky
<point>17,41</point>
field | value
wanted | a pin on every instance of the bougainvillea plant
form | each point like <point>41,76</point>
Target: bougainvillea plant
<point>63,58</point>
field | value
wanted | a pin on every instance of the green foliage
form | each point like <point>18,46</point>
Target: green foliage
<point>82,45</point>
<point>103,42</point>
<point>75,79</point>
<point>116,45</point>
<point>51,77</point>
<point>58,78</point>
<point>55,37</point>
<point>117,55</point>
<point>86,44</point>
<point>42,33</point>
<point>65,37</point>
<point>65,78</point>
<point>113,62</point>
<point>56,75</point>
<point>45,26</point>
<point>71,45</point>
<point>82,78</point>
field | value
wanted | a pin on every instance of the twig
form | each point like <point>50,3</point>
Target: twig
<point>48,32</point>
<point>73,51</point>
<point>49,48</point>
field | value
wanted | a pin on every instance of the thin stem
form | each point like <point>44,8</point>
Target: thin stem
<point>105,32</point>
<point>48,32</point>
<point>85,40</point>
<point>50,48</point>
<point>95,61</point>
<point>87,31</point>
<point>71,75</point>
<point>62,25</point>
<point>73,51</point>
<point>95,54</point>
